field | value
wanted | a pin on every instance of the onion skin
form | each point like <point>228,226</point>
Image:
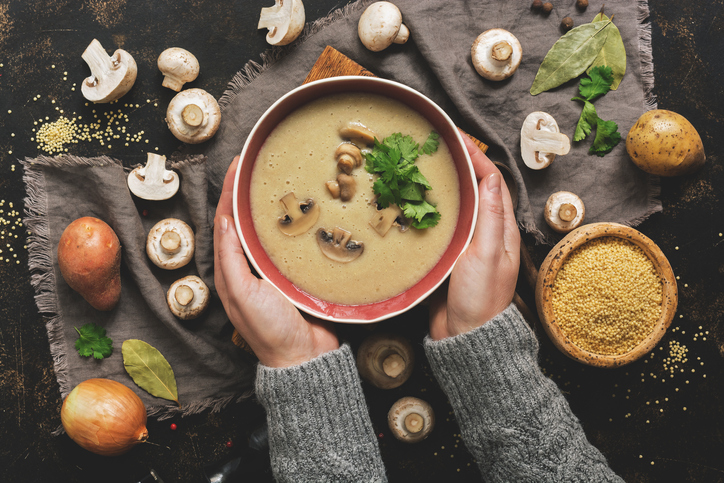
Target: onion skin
<point>104,416</point>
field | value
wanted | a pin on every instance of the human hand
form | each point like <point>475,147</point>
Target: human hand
<point>483,281</point>
<point>270,324</point>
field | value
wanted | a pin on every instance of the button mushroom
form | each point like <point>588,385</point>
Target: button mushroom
<point>170,244</point>
<point>541,140</point>
<point>496,54</point>
<point>385,360</point>
<point>336,245</point>
<point>285,21</point>
<point>153,181</point>
<point>380,25</point>
<point>193,116</point>
<point>386,218</point>
<point>564,211</point>
<point>188,297</point>
<point>111,76</point>
<point>411,419</point>
<point>299,216</point>
<point>348,157</point>
<point>347,186</point>
<point>358,133</point>
<point>178,67</point>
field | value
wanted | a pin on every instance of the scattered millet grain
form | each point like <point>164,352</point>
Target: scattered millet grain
<point>607,296</point>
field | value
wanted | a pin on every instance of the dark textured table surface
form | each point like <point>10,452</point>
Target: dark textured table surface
<point>651,426</point>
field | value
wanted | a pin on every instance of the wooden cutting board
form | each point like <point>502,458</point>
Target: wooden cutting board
<point>333,63</point>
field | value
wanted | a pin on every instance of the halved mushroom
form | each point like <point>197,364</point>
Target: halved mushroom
<point>299,216</point>
<point>170,244</point>
<point>386,218</point>
<point>564,211</point>
<point>348,157</point>
<point>285,21</point>
<point>337,245</point>
<point>193,116</point>
<point>411,419</point>
<point>385,360</point>
<point>178,67</point>
<point>111,76</point>
<point>380,25</point>
<point>358,133</point>
<point>496,54</point>
<point>541,140</point>
<point>188,297</point>
<point>153,181</point>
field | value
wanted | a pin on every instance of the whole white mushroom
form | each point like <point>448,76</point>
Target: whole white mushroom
<point>381,25</point>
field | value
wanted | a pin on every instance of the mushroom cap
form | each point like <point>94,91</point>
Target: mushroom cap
<point>357,133</point>
<point>385,360</point>
<point>564,200</point>
<point>299,216</point>
<point>411,419</point>
<point>189,302</point>
<point>483,54</point>
<point>178,66</point>
<point>199,127</point>
<point>379,25</point>
<point>285,21</point>
<point>337,245</point>
<point>153,181</point>
<point>541,140</point>
<point>385,218</point>
<point>175,258</point>
<point>111,76</point>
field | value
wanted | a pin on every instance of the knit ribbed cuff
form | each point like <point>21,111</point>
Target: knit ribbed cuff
<point>319,424</point>
<point>484,367</point>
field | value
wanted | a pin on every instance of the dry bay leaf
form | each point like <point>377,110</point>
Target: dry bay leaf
<point>149,369</point>
<point>571,55</point>
<point>612,54</point>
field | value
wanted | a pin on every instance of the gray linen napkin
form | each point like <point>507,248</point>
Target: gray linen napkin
<point>436,61</point>
<point>210,371</point>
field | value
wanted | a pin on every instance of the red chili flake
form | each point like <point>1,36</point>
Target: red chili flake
<point>173,426</point>
<point>381,435</point>
<point>144,213</point>
<point>229,444</point>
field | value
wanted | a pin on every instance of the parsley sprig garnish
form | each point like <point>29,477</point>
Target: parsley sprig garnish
<point>597,83</point>
<point>400,181</point>
<point>92,341</point>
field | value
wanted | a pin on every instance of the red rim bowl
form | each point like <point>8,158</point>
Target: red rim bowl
<point>373,312</point>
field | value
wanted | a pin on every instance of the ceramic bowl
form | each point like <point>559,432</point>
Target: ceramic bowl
<point>557,257</point>
<point>373,312</point>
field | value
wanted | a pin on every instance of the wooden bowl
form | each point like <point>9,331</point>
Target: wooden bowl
<point>552,264</point>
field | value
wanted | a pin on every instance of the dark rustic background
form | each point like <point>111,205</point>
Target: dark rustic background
<point>651,427</point>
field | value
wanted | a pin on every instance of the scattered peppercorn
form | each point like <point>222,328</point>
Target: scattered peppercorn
<point>173,427</point>
<point>581,4</point>
<point>537,4</point>
<point>229,444</point>
<point>547,7</point>
<point>566,24</point>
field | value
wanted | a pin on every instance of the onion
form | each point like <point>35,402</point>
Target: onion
<point>104,417</point>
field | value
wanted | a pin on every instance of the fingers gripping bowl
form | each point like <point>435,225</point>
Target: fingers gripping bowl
<point>461,222</point>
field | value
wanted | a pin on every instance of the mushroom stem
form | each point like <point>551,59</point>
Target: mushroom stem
<point>291,206</point>
<point>414,423</point>
<point>393,365</point>
<point>567,212</point>
<point>99,61</point>
<point>192,115</point>
<point>184,295</point>
<point>402,35</point>
<point>501,51</point>
<point>170,242</point>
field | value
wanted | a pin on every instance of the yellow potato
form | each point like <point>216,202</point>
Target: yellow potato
<point>665,143</point>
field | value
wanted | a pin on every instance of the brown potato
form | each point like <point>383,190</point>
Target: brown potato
<point>665,143</point>
<point>89,257</point>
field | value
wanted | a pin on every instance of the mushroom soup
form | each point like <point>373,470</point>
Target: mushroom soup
<point>291,175</point>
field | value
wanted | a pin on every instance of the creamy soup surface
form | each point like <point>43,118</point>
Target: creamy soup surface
<point>299,157</point>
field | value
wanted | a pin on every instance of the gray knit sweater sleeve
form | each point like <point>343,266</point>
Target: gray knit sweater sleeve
<point>513,419</point>
<point>319,424</point>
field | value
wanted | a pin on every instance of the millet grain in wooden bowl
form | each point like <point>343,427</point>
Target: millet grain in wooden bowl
<point>606,294</point>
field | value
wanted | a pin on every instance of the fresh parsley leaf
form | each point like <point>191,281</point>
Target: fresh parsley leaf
<point>400,181</point>
<point>607,137</point>
<point>431,144</point>
<point>597,83</point>
<point>587,120</point>
<point>92,341</point>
